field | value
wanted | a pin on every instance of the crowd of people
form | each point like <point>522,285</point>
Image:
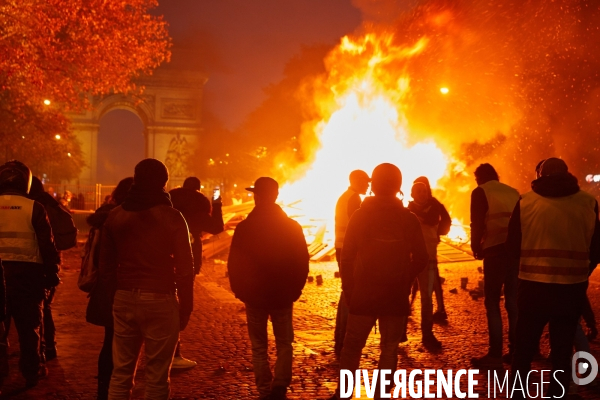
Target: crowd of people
<point>145,248</point>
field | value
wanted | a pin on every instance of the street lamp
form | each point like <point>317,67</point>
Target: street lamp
<point>444,90</point>
<point>57,137</point>
<point>47,102</point>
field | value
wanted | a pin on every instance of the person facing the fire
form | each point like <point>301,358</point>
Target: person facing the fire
<point>348,202</point>
<point>444,224</point>
<point>428,214</point>
<point>384,251</point>
<point>200,217</point>
<point>492,203</point>
<point>268,267</point>
<point>145,250</point>
<point>555,231</point>
<point>30,262</point>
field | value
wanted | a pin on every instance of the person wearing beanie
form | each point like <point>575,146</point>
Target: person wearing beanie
<point>492,203</point>
<point>384,251</point>
<point>201,217</point>
<point>145,252</point>
<point>555,231</point>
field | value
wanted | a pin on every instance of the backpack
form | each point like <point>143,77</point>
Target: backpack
<point>63,227</point>
<point>88,275</point>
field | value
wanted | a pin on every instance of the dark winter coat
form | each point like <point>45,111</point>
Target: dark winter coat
<point>384,251</point>
<point>268,260</point>
<point>99,309</point>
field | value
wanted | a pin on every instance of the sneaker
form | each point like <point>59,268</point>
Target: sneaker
<point>182,363</point>
<point>431,342</point>
<point>440,316</point>
<point>487,361</point>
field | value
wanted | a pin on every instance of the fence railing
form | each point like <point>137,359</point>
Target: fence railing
<point>84,197</point>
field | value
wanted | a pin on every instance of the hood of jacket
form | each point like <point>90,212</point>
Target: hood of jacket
<point>555,185</point>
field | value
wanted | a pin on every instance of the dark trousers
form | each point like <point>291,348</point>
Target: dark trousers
<point>105,364</point>
<point>437,289</point>
<point>26,311</point>
<point>47,329</point>
<point>341,317</point>
<point>197,252</point>
<point>500,271</point>
<point>554,304</point>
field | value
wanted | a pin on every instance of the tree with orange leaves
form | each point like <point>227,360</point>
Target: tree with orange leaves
<point>55,54</point>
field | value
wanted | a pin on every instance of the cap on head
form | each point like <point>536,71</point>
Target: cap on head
<point>15,175</point>
<point>359,176</point>
<point>151,174</point>
<point>192,183</point>
<point>265,186</point>
<point>386,179</point>
<point>553,166</point>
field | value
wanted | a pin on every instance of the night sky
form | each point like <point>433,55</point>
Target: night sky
<point>243,46</point>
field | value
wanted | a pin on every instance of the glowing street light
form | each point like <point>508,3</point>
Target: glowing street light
<point>57,137</point>
<point>47,102</point>
<point>444,90</point>
<point>69,154</point>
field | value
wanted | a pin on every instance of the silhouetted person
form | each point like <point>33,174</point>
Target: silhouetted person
<point>348,202</point>
<point>384,251</point>
<point>200,217</point>
<point>30,262</point>
<point>428,213</point>
<point>554,229</point>
<point>145,249</point>
<point>492,203</point>
<point>99,309</point>
<point>268,267</point>
<point>445,222</point>
<point>65,237</point>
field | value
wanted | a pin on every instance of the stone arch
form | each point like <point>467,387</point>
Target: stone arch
<point>170,109</point>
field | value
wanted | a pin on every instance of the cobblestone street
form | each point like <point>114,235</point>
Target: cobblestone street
<point>216,338</point>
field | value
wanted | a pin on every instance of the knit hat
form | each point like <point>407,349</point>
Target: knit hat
<point>150,174</point>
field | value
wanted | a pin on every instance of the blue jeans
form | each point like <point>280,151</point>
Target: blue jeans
<point>145,318</point>
<point>284,336</point>
<point>499,271</point>
<point>392,328</point>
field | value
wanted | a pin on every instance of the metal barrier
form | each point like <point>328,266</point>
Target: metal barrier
<point>84,197</point>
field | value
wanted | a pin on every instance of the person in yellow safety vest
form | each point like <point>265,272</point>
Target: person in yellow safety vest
<point>348,202</point>
<point>30,262</point>
<point>556,232</point>
<point>492,203</point>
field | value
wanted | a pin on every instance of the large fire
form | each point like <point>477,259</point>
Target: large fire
<point>364,125</point>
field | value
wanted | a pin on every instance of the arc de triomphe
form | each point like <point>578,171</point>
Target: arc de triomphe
<point>169,108</point>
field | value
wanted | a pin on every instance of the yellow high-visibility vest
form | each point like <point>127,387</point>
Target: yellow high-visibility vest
<point>501,200</point>
<point>18,241</point>
<point>341,217</point>
<point>556,237</point>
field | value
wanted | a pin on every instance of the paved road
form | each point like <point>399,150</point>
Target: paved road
<point>216,337</point>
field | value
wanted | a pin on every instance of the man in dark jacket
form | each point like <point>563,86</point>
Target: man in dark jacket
<point>145,249</point>
<point>30,262</point>
<point>268,266</point>
<point>384,251</point>
<point>65,237</point>
<point>200,217</point>
<point>555,231</point>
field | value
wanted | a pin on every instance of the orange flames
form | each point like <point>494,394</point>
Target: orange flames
<point>363,124</point>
